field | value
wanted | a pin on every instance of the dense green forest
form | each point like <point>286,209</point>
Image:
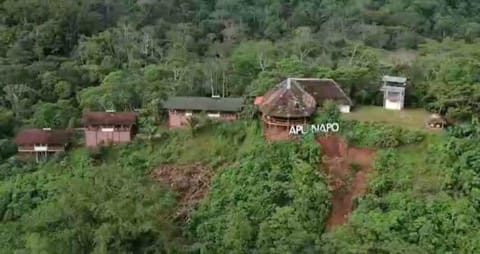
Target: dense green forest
<point>264,197</point>
<point>59,58</point>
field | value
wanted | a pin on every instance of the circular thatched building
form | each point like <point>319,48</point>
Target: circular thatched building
<point>286,105</point>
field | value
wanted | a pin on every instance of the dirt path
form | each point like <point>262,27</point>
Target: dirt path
<point>347,181</point>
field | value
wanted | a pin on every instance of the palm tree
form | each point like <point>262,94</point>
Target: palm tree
<point>193,124</point>
<point>150,132</point>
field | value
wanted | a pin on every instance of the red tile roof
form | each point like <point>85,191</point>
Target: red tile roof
<point>31,137</point>
<point>109,118</point>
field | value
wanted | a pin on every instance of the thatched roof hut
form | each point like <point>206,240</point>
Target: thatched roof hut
<point>437,121</point>
<point>288,100</point>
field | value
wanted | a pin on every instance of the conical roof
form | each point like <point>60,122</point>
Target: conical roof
<point>288,100</point>
<point>437,118</point>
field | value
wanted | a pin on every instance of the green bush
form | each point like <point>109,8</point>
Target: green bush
<point>379,135</point>
<point>7,148</point>
<point>394,217</point>
<point>250,200</point>
<point>355,167</point>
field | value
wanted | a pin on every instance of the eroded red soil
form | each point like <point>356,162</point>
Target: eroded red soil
<point>191,181</point>
<point>276,133</point>
<point>347,182</point>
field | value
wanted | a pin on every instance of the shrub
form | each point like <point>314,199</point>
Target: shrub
<point>355,167</point>
<point>262,191</point>
<point>379,135</point>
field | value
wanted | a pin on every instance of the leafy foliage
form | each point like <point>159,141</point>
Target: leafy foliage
<point>379,135</point>
<point>395,219</point>
<point>329,113</point>
<point>276,202</point>
<point>65,209</point>
<point>99,54</point>
<point>61,57</point>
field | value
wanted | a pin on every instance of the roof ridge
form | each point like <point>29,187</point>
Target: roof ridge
<point>305,78</point>
<point>203,103</point>
<point>301,88</point>
<point>343,92</point>
<point>326,82</point>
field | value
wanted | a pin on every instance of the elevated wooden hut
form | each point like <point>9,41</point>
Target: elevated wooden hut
<point>286,105</point>
<point>293,102</point>
<point>103,128</point>
<point>40,143</point>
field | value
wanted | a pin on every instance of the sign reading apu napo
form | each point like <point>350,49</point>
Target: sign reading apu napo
<point>315,128</point>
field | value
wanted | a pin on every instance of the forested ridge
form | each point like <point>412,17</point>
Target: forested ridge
<point>59,58</point>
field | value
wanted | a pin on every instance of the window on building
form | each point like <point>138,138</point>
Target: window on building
<point>394,96</point>
<point>214,115</point>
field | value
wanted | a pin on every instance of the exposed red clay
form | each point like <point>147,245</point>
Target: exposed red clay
<point>345,183</point>
<point>192,182</point>
<point>278,133</point>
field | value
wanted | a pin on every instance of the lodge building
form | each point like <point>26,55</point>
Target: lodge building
<point>40,143</point>
<point>287,104</point>
<point>295,100</point>
<point>180,109</point>
<point>105,128</point>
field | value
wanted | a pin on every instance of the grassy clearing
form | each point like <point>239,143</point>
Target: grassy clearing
<point>408,118</point>
<point>213,146</point>
<point>414,174</point>
<point>426,180</point>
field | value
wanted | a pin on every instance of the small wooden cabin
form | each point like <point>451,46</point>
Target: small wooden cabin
<point>40,143</point>
<point>104,128</point>
<point>321,90</point>
<point>180,109</point>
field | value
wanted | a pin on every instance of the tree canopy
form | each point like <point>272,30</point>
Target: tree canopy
<point>59,58</point>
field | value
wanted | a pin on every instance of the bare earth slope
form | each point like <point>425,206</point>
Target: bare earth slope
<point>191,181</point>
<point>347,168</point>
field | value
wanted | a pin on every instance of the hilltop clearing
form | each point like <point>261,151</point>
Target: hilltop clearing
<point>414,119</point>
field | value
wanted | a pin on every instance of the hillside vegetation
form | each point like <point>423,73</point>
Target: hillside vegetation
<point>59,58</point>
<point>264,198</point>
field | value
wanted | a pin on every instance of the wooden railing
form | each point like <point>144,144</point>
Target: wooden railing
<point>115,128</point>
<point>284,122</point>
<point>49,149</point>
